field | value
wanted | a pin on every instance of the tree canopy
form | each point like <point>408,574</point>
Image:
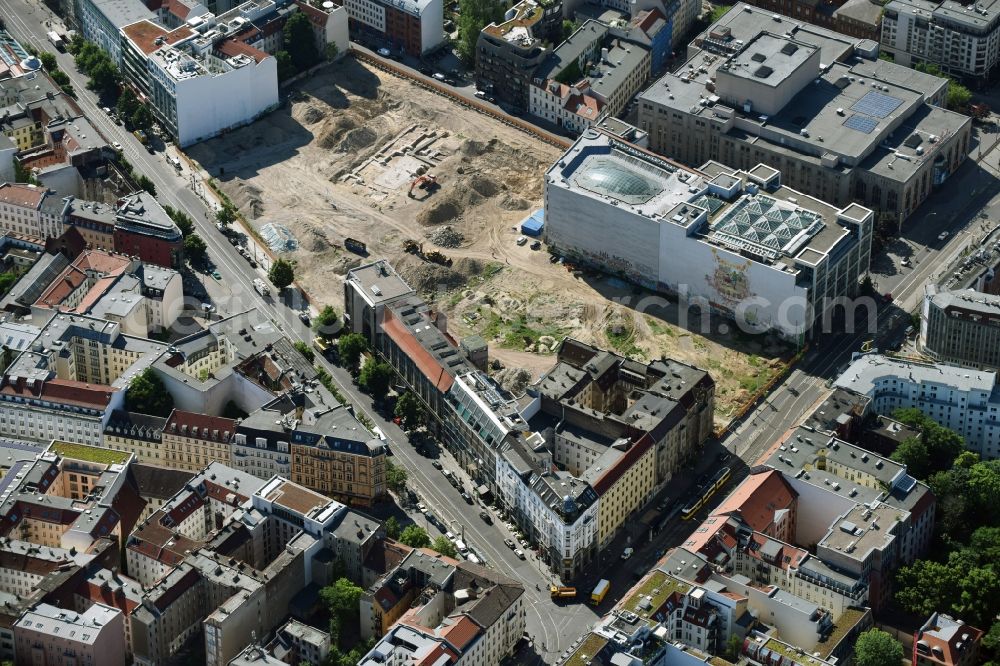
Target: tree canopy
<point>342,599</point>
<point>146,394</point>
<point>282,273</point>
<point>933,451</point>
<point>351,347</point>
<point>395,477</point>
<point>195,248</point>
<point>327,322</point>
<point>375,377</point>
<point>474,15</point>
<point>409,410</point>
<point>415,537</point>
<point>445,547</point>
<point>392,527</point>
<point>958,95</point>
<point>300,41</point>
<point>877,648</point>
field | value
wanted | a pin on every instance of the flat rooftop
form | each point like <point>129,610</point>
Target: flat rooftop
<point>379,282</point>
<point>871,371</point>
<point>861,530</point>
<point>769,59</point>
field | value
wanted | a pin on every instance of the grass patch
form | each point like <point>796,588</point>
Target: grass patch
<point>87,453</point>
<point>623,339</point>
<point>659,586</point>
<point>660,328</point>
<point>588,649</point>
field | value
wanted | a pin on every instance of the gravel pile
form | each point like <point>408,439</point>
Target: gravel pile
<point>446,236</point>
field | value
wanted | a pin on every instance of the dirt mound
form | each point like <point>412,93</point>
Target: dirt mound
<point>483,186</point>
<point>312,114</point>
<point>247,198</point>
<point>472,148</point>
<point>446,236</point>
<point>357,139</point>
<point>313,238</point>
<point>335,132</point>
<point>468,266</point>
<point>440,212</point>
<point>510,202</point>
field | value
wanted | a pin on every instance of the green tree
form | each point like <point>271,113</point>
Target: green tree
<point>991,640</point>
<point>286,68</point>
<point>913,453</point>
<point>375,377</point>
<point>48,61</point>
<point>392,527</point>
<point>474,15</point>
<point>305,350</point>
<point>181,219</point>
<point>409,410</point>
<point>327,322</point>
<point>350,348</point>
<point>331,52</point>
<point>415,537</point>
<point>127,104</point>
<point>445,547</point>
<point>146,184</point>
<point>342,599</point>
<point>8,280</point>
<point>146,394</point>
<point>104,77</point>
<point>395,477</point>
<point>300,41</point>
<point>877,648</point>
<point>59,76</point>
<point>141,118</point>
<point>226,215</point>
<point>940,446</point>
<point>568,28</point>
<point>22,174</point>
<point>195,248</point>
<point>282,274</point>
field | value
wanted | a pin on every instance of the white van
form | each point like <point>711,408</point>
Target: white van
<point>462,548</point>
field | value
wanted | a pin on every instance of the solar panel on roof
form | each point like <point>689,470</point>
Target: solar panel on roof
<point>861,123</point>
<point>876,104</point>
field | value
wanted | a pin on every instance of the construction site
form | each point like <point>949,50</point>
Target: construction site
<point>362,164</point>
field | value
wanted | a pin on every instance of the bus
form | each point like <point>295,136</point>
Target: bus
<point>57,40</point>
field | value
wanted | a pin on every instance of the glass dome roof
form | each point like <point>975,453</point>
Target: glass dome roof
<point>614,179</point>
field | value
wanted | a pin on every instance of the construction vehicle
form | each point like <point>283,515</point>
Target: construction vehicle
<point>600,590</point>
<point>427,182</point>
<point>557,592</point>
<point>435,257</point>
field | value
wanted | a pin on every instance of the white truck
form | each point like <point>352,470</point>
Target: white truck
<point>261,287</point>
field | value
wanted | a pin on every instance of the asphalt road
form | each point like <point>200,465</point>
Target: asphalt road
<point>554,627</point>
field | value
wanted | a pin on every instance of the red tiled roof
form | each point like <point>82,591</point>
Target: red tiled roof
<point>178,9</point>
<point>115,598</point>
<point>758,498</point>
<point>64,391</point>
<point>409,345</point>
<point>461,633</point>
<point>233,47</point>
<point>199,426</point>
<point>645,20</point>
<point>24,196</point>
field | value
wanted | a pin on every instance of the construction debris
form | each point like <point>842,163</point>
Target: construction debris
<point>446,236</point>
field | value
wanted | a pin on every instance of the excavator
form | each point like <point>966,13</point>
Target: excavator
<point>427,182</point>
<point>434,256</point>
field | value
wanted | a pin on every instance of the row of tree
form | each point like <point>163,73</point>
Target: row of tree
<point>60,77</point>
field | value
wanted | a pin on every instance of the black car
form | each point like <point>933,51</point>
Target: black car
<point>468,500</point>
<point>304,318</point>
<point>426,71</point>
<point>486,517</point>
<point>436,465</point>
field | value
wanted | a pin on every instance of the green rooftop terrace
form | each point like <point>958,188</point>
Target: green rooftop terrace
<point>659,586</point>
<point>587,650</point>
<point>87,453</point>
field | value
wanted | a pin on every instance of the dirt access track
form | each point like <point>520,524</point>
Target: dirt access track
<point>339,160</point>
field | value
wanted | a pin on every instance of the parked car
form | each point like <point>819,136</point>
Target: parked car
<point>487,518</point>
<point>449,535</point>
<point>436,465</point>
<point>537,245</point>
<point>942,235</point>
<point>905,262</point>
<point>521,240</point>
<point>509,543</point>
<point>384,52</point>
<point>422,507</point>
<point>627,553</point>
<point>439,76</point>
<point>468,500</point>
<point>217,275</point>
<point>304,318</point>
<point>887,297</point>
<point>519,553</point>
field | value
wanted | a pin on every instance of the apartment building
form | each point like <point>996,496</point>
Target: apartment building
<point>466,613</point>
<point>858,18</point>
<point>963,40</point>
<point>961,327</point>
<point>30,210</point>
<point>601,72</point>
<point>295,643</point>
<point>415,27</point>
<point>508,52</point>
<point>144,230</point>
<point>50,635</point>
<point>138,434</point>
<point>156,485</point>
<point>191,441</point>
<point>243,359</point>
<point>869,132</point>
<point>945,641</point>
<point>736,242</point>
<point>960,399</point>
<point>330,451</point>
<point>101,21</point>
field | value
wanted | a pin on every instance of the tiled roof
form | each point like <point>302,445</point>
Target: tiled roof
<point>460,633</point>
<point>24,196</point>
<point>758,498</point>
<point>199,426</point>
<point>409,345</point>
<point>232,47</point>
<point>64,391</point>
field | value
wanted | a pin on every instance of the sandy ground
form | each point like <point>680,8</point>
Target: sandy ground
<point>338,160</point>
